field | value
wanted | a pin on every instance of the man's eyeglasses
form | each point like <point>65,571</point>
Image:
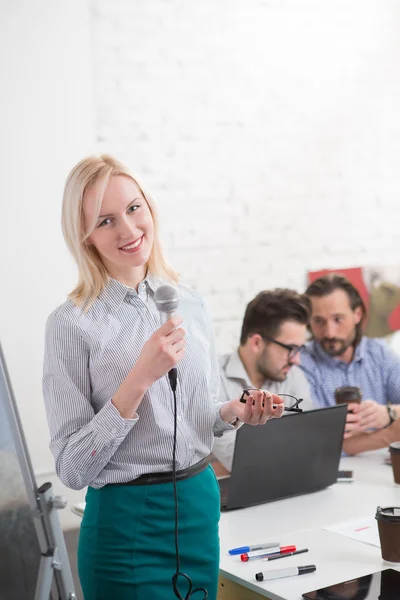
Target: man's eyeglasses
<point>293,408</point>
<point>293,350</point>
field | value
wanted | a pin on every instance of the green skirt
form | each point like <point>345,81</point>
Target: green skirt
<point>127,547</point>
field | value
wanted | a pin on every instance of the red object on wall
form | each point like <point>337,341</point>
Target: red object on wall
<point>394,319</point>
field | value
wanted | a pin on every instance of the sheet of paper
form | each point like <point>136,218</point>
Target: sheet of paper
<point>364,529</point>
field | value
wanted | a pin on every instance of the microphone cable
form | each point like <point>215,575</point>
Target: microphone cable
<point>173,377</point>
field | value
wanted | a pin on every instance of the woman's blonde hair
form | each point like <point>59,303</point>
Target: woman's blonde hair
<point>93,276</point>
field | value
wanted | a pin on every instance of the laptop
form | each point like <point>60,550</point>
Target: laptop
<point>294,455</point>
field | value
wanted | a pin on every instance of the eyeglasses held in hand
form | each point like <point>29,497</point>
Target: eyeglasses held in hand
<point>295,408</point>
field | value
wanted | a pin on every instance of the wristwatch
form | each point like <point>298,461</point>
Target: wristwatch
<point>393,414</point>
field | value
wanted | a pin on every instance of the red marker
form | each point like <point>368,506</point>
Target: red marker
<point>271,552</point>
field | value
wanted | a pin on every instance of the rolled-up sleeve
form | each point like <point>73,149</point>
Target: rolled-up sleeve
<point>82,442</point>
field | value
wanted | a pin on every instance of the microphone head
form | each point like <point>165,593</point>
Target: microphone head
<point>166,298</point>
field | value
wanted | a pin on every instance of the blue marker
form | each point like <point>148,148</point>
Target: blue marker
<point>254,548</point>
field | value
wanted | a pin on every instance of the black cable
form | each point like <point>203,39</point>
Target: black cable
<point>172,375</point>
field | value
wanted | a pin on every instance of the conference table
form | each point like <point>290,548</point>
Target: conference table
<point>301,521</point>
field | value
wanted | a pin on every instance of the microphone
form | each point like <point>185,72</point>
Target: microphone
<point>166,299</point>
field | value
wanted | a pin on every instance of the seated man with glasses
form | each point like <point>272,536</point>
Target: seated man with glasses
<point>273,334</point>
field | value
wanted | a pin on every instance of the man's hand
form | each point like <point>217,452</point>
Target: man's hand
<point>353,420</point>
<point>370,414</point>
<point>374,440</point>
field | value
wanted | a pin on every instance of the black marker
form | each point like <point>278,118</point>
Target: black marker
<point>290,572</point>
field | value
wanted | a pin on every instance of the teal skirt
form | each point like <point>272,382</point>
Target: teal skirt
<point>127,546</point>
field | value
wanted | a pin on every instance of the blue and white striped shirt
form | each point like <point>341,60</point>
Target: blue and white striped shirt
<point>374,368</point>
<point>87,357</point>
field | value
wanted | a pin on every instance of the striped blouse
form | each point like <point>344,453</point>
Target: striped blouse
<point>88,355</point>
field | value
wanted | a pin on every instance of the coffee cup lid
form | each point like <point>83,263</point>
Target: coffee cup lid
<point>395,447</point>
<point>391,514</point>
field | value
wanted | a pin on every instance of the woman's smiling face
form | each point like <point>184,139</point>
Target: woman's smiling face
<point>124,232</point>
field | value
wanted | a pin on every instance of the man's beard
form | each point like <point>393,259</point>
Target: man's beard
<point>335,346</point>
<point>271,375</point>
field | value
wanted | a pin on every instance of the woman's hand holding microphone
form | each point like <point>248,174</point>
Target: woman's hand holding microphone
<point>162,351</point>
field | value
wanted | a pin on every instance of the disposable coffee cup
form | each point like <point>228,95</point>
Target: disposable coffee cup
<point>347,394</point>
<point>389,532</point>
<point>394,450</point>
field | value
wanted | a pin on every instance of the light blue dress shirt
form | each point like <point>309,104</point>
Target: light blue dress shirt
<point>374,368</point>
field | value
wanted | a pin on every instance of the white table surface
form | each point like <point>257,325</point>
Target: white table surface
<point>300,521</point>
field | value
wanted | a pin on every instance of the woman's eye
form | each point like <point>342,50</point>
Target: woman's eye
<point>132,208</point>
<point>105,222</point>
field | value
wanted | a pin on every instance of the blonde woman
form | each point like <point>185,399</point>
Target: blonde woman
<point>110,406</point>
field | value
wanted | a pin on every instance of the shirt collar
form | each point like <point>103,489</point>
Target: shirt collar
<point>235,369</point>
<point>115,292</point>
<point>360,350</point>
<point>359,353</point>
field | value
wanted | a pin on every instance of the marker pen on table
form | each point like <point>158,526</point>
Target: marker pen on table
<point>290,572</point>
<point>254,548</point>
<point>284,554</point>
<point>246,556</point>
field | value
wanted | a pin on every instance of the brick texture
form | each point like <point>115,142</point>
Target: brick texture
<point>267,131</point>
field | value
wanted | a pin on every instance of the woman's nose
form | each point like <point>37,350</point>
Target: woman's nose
<point>126,230</point>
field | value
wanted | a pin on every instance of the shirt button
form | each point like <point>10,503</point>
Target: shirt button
<point>190,446</point>
<point>179,418</point>
<point>113,431</point>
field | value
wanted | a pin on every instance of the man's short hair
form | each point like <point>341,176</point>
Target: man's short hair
<point>325,285</point>
<point>270,309</point>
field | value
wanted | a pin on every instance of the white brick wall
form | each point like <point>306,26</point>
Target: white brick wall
<point>268,132</point>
